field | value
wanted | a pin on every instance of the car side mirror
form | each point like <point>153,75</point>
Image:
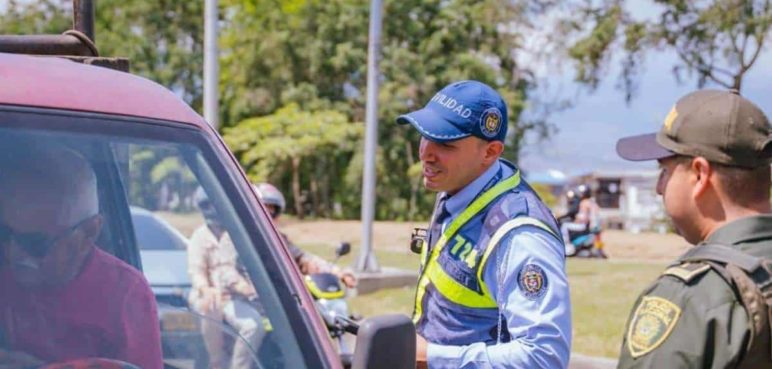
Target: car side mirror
<point>343,249</point>
<point>385,342</point>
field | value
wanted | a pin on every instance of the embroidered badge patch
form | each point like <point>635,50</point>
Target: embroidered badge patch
<point>490,122</point>
<point>652,323</point>
<point>532,281</point>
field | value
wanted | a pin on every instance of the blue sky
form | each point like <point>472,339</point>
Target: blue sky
<point>587,132</point>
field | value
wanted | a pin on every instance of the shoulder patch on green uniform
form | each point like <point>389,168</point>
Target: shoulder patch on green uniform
<point>687,271</point>
<point>651,324</point>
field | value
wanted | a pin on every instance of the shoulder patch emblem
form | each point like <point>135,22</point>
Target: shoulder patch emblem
<point>533,283</point>
<point>686,272</point>
<point>651,324</point>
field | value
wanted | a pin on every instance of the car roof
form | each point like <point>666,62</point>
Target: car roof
<point>57,83</point>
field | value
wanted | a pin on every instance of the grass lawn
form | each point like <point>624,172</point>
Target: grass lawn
<point>602,294</point>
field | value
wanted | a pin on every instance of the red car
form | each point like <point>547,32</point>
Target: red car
<point>80,146</point>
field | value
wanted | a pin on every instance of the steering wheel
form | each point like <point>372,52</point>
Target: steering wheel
<point>90,363</point>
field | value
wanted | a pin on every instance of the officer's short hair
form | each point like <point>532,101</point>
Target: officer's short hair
<point>745,186</point>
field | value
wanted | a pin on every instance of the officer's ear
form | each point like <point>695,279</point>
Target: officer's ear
<point>701,175</point>
<point>493,151</point>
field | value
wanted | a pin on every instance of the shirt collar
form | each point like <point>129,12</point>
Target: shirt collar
<point>743,229</point>
<point>457,203</point>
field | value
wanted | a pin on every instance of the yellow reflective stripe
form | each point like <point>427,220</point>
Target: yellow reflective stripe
<point>457,292</point>
<point>419,296</point>
<point>322,294</point>
<point>501,233</point>
<point>477,205</point>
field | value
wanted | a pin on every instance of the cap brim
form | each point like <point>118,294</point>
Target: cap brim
<point>432,126</point>
<point>641,148</point>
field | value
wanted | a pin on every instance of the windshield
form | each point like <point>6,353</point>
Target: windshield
<point>124,240</point>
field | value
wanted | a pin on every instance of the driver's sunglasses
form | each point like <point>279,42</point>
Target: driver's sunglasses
<point>36,244</point>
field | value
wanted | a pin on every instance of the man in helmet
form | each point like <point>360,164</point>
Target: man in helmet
<point>587,217</point>
<point>222,289</point>
<point>307,262</point>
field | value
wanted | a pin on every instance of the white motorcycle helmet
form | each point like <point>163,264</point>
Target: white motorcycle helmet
<point>270,195</point>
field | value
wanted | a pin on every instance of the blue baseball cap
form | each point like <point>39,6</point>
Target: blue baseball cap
<point>461,109</point>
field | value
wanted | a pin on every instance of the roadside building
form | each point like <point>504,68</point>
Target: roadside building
<point>628,199</point>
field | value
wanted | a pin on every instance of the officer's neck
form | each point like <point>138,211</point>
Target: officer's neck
<point>729,212</point>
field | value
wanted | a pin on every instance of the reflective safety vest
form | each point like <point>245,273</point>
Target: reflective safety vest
<point>452,301</point>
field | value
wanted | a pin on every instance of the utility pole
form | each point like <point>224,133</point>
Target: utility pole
<point>366,261</point>
<point>211,65</point>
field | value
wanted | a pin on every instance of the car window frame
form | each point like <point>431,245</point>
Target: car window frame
<point>313,347</point>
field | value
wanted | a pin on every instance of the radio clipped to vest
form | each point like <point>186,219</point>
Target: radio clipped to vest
<point>418,240</point>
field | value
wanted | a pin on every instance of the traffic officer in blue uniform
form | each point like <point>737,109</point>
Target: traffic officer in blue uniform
<point>492,291</point>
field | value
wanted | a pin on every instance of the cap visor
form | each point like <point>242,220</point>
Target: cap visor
<point>432,126</point>
<point>642,147</point>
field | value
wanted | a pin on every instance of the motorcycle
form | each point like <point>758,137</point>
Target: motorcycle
<point>586,243</point>
<point>329,295</point>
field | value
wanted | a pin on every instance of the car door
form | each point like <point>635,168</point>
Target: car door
<point>235,304</point>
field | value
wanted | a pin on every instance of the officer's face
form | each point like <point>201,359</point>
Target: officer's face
<point>676,190</point>
<point>451,166</point>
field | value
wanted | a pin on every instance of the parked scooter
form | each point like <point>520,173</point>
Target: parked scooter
<point>329,293</point>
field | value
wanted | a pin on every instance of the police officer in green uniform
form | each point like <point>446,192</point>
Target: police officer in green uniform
<point>710,308</point>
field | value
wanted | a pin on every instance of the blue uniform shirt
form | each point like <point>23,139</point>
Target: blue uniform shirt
<point>540,328</point>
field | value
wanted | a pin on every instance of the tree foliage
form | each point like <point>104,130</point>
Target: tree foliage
<point>717,41</point>
<point>163,39</point>
<point>293,80</point>
<point>307,145</point>
<point>314,54</point>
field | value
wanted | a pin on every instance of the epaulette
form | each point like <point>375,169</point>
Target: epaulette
<point>687,271</point>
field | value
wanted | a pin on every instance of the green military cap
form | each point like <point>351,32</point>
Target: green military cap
<point>721,126</point>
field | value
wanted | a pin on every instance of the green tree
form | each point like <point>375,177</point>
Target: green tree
<point>313,53</point>
<point>44,16</point>
<point>291,143</point>
<point>717,41</point>
<point>306,59</point>
<point>162,39</point>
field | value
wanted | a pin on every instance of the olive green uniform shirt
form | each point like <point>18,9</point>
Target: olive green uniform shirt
<point>690,317</point>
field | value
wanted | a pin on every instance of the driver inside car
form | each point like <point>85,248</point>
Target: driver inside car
<point>61,296</point>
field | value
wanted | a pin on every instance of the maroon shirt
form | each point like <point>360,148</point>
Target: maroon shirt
<point>107,311</point>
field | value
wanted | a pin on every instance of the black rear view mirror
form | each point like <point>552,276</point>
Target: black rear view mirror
<point>385,342</point>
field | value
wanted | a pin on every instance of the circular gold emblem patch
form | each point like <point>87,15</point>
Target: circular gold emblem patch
<point>490,122</point>
<point>532,281</point>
